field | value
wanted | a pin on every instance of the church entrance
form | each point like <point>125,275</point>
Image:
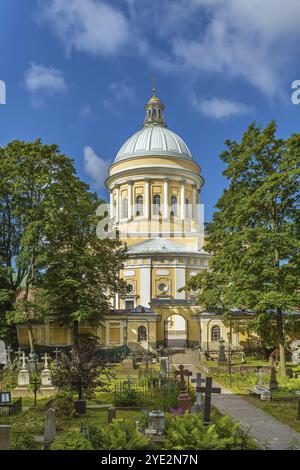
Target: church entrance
<point>176,332</point>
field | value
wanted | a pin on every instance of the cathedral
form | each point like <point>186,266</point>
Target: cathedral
<point>154,186</point>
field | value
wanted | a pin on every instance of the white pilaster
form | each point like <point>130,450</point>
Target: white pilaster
<point>107,334</point>
<point>147,198</point>
<point>130,203</point>
<point>117,214</point>
<point>111,203</point>
<point>182,200</point>
<point>179,281</point>
<point>194,204</point>
<point>145,286</point>
<point>166,198</point>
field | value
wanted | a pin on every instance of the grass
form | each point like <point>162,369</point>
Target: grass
<point>280,408</point>
<point>284,411</point>
<point>33,420</point>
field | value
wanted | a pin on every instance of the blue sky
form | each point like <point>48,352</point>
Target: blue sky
<point>78,73</point>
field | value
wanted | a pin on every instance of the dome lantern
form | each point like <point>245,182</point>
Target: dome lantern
<point>154,110</point>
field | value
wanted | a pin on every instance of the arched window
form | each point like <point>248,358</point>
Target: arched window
<point>215,333</point>
<point>156,204</point>
<point>174,205</point>
<point>139,205</point>
<point>124,208</point>
<point>187,209</point>
<point>142,333</point>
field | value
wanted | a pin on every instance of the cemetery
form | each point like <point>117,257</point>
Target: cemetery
<point>142,406</point>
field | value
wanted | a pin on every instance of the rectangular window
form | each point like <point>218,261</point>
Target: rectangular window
<point>129,304</point>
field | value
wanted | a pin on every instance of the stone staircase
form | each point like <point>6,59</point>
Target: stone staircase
<point>188,356</point>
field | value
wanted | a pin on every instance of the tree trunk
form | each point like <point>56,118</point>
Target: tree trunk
<point>280,332</point>
<point>75,331</point>
<point>30,337</point>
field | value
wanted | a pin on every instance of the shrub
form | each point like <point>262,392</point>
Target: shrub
<point>23,441</point>
<point>121,436</point>
<point>9,379</point>
<point>189,433</point>
<point>63,404</point>
<point>71,441</point>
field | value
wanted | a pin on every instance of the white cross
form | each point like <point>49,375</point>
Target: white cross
<point>23,360</point>
<point>45,357</point>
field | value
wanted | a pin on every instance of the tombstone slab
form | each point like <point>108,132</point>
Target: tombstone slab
<point>128,363</point>
<point>5,437</point>
<point>111,414</point>
<point>295,348</point>
<point>50,428</point>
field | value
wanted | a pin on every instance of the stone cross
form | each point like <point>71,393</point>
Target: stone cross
<point>260,375</point>
<point>198,381</point>
<point>23,360</point>
<point>50,428</point>
<point>208,390</point>
<point>19,354</point>
<point>45,357</point>
<point>182,372</point>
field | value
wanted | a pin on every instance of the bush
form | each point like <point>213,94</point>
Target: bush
<point>23,441</point>
<point>71,441</point>
<point>189,433</point>
<point>9,379</point>
<point>121,436</point>
<point>63,404</point>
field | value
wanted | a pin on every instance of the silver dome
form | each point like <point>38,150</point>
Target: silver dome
<point>152,141</point>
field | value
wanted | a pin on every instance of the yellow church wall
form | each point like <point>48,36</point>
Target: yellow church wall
<point>193,328</point>
<point>171,162</point>
<point>37,332</point>
<point>132,330</point>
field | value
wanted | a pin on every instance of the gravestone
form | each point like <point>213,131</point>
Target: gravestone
<point>111,414</point>
<point>198,405</point>
<point>184,401</point>
<point>273,385</point>
<point>222,359</point>
<point>157,421</point>
<point>295,348</point>
<point>208,390</point>
<point>3,354</point>
<point>128,363</point>
<point>5,437</point>
<point>260,376</point>
<point>50,428</point>
<point>163,367</point>
<point>46,379</point>
<point>23,375</point>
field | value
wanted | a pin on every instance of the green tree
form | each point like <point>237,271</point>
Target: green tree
<point>255,236</point>
<point>48,221</point>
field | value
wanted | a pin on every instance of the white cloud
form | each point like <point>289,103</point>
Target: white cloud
<point>251,39</point>
<point>220,108</point>
<point>122,90</point>
<point>39,78</point>
<point>86,112</point>
<point>95,167</point>
<point>90,26</point>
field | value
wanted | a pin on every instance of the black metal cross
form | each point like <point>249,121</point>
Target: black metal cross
<point>198,381</point>
<point>208,390</point>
